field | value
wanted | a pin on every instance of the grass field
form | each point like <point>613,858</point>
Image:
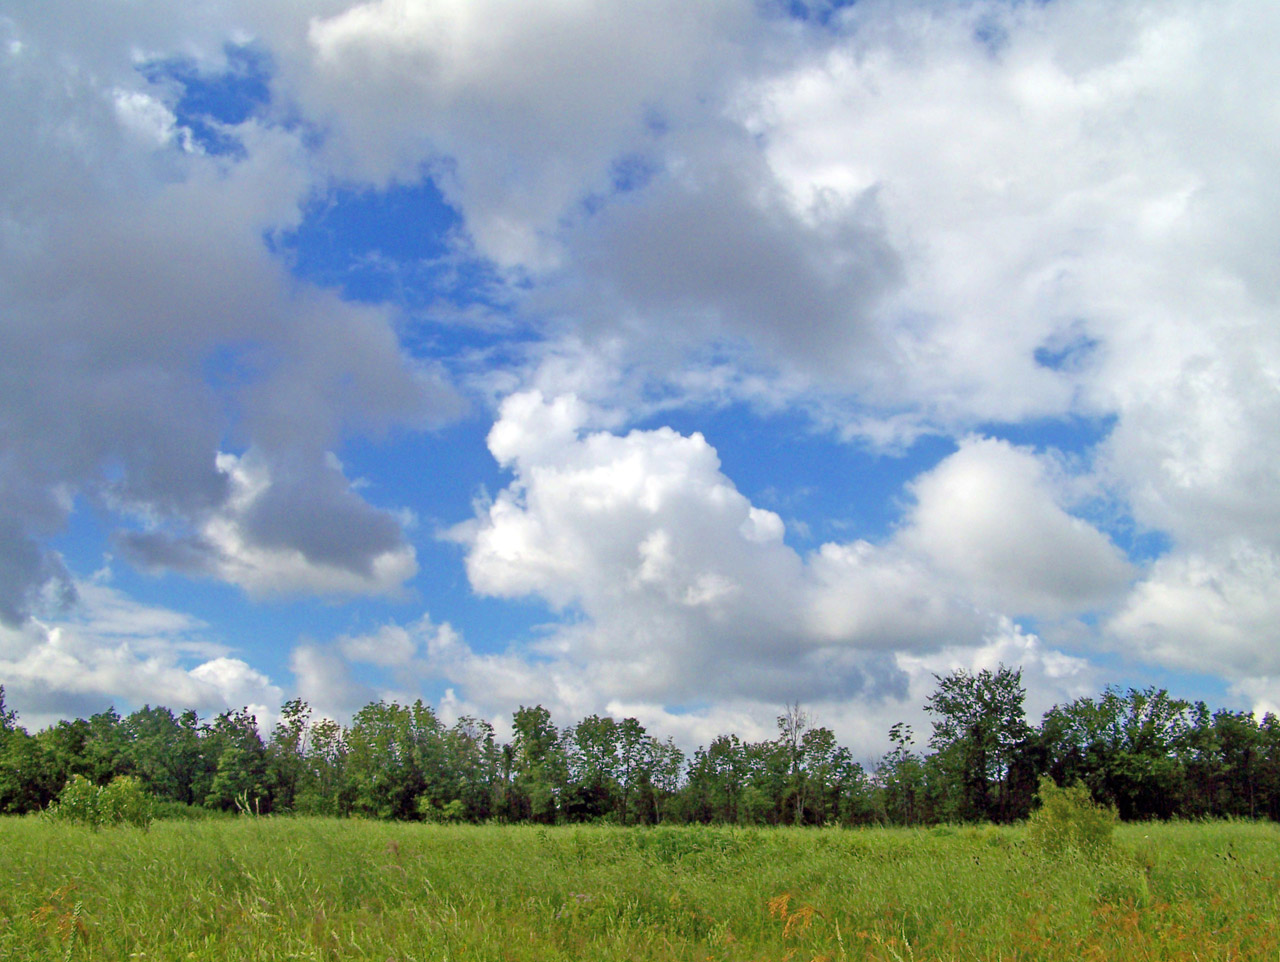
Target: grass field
<point>316,889</point>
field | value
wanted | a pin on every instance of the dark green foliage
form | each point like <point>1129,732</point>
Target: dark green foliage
<point>979,732</point>
<point>1143,752</point>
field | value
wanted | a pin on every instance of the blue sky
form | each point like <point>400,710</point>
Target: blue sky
<point>658,359</point>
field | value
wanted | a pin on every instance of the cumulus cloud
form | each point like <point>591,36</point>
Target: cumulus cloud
<point>1213,613</point>
<point>989,517</point>
<point>678,589</point>
<point>117,651</point>
<point>302,530</point>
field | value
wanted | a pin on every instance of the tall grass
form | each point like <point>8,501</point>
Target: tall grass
<point>304,889</point>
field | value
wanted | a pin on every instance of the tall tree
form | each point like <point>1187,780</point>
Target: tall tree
<point>979,730</point>
<point>474,759</point>
<point>538,764</point>
<point>900,776</point>
<point>287,753</point>
<point>635,765</point>
<point>791,729</point>
<point>166,752</point>
<point>240,780</point>
<point>667,769</point>
<point>24,782</point>
<point>323,787</point>
<point>591,750</point>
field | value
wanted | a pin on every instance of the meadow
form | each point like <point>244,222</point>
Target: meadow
<point>316,889</point>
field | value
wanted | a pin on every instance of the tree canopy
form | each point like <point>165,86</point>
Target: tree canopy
<point>1142,751</point>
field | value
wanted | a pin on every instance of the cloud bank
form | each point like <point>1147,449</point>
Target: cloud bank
<point>983,223</point>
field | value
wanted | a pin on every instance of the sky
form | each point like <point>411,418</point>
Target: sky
<point>665,359</point>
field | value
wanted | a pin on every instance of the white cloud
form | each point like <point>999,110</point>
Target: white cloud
<point>988,516</point>
<point>522,111</point>
<point>274,542</point>
<point>148,322</point>
<point>680,590</point>
<point>1213,613</point>
<point>116,651</point>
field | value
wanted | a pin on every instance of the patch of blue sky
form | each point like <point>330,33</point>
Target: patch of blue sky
<point>815,11</point>
<point>629,173</point>
<point>1125,671</point>
<point>447,470</point>
<point>1072,350</point>
<point>399,246</point>
<point>358,240</point>
<point>990,33</point>
<point>1072,435</point>
<point>207,102</point>
<point>823,490</point>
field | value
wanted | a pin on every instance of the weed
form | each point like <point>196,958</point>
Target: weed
<point>1069,820</point>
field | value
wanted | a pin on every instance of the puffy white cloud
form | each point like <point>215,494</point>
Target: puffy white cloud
<point>886,598</point>
<point>116,651</point>
<point>1057,188</point>
<point>989,517</point>
<point>1213,613</point>
<point>678,589</point>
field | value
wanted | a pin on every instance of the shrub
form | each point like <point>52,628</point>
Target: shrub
<point>122,802</point>
<point>125,802</point>
<point>77,802</point>
<point>1068,819</point>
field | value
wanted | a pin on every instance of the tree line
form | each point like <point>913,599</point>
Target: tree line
<point>1140,750</point>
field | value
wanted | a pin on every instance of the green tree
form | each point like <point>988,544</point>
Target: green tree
<point>240,781</point>
<point>287,753</point>
<point>716,780</point>
<point>591,751</point>
<point>901,778</point>
<point>64,749</point>
<point>634,770</point>
<point>475,762</point>
<point>166,753</point>
<point>665,776</point>
<point>387,746</point>
<point>791,731</point>
<point>323,787</point>
<point>24,781</point>
<point>979,732</point>
<point>538,766</point>
<point>1126,746</point>
<point>824,771</point>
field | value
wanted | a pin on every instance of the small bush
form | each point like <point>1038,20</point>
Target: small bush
<point>122,802</point>
<point>125,802</point>
<point>1069,820</point>
<point>77,802</point>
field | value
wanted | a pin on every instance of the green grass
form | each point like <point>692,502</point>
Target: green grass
<point>315,889</point>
